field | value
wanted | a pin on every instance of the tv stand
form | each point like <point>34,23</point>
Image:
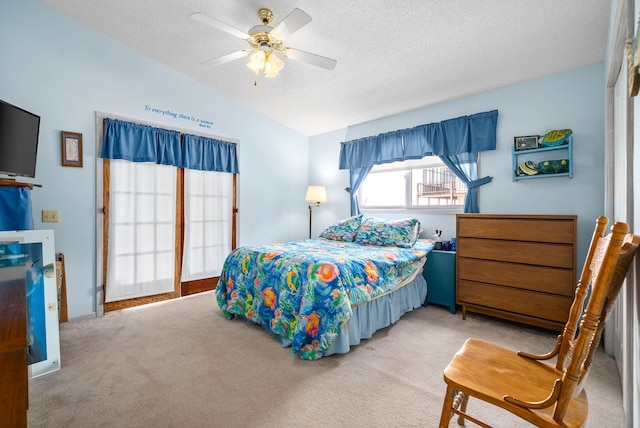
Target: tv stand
<point>11,182</point>
<point>14,389</point>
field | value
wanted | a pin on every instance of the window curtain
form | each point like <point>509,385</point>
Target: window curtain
<point>446,139</point>
<point>356,177</point>
<point>142,143</point>
<point>208,154</point>
<point>369,151</point>
<point>360,155</point>
<point>465,167</point>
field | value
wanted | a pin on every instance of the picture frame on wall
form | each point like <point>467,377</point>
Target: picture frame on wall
<point>71,149</point>
<point>527,142</point>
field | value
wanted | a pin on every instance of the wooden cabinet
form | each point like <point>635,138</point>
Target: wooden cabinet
<point>13,347</point>
<point>517,267</point>
<point>440,274</point>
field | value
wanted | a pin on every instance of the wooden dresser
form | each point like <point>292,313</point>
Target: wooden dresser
<point>517,267</point>
<point>14,392</point>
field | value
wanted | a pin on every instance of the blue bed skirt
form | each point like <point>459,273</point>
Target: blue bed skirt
<point>376,314</point>
<point>372,316</point>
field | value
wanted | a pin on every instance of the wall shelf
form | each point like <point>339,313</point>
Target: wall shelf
<point>516,160</point>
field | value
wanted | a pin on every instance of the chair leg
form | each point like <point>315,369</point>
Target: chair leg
<point>463,407</point>
<point>446,414</point>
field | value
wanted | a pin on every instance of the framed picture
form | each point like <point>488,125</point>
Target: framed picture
<point>71,149</point>
<point>525,143</point>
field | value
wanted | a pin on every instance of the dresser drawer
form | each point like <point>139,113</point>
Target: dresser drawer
<point>516,266</point>
<point>518,229</point>
<point>555,255</point>
<point>522,276</point>
<point>517,301</point>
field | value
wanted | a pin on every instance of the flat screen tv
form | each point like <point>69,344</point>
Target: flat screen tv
<point>19,130</point>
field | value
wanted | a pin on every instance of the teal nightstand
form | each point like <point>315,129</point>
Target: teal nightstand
<point>440,273</point>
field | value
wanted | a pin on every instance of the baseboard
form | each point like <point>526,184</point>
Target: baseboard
<point>83,317</point>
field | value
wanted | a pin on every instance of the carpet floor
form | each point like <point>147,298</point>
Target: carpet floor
<point>182,364</point>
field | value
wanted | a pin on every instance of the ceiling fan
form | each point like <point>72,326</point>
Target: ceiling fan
<point>265,41</point>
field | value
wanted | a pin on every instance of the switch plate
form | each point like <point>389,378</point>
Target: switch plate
<point>50,216</point>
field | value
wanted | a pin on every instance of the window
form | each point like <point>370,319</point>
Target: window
<point>426,183</point>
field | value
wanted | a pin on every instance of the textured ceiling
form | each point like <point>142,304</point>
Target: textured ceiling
<point>392,55</point>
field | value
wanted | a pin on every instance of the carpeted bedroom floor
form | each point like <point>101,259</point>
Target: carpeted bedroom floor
<point>182,364</point>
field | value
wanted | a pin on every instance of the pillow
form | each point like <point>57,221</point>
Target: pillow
<point>398,233</point>
<point>344,230</point>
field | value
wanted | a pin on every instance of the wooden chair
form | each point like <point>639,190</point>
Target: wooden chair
<point>529,386</point>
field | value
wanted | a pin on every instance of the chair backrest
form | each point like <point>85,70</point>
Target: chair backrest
<point>605,269</point>
<point>581,292</point>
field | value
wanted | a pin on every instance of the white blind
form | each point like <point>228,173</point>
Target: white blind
<point>208,220</point>
<point>142,215</point>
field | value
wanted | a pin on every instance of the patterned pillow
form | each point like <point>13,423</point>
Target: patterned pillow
<point>398,233</point>
<point>344,230</point>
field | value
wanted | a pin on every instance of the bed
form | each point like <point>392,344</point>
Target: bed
<point>322,296</point>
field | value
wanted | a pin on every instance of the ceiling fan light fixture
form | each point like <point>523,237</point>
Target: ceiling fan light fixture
<point>256,61</point>
<point>267,62</point>
<point>265,41</point>
<point>272,65</point>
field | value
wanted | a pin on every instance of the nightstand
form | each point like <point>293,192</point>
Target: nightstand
<point>440,273</point>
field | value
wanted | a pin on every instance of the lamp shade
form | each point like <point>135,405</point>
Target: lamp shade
<point>316,194</point>
<point>272,65</point>
<point>256,61</point>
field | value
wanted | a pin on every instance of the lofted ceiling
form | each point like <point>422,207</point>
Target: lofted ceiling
<point>392,55</point>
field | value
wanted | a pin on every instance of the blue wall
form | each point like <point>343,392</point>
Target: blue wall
<point>573,99</point>
<point>65,72</point>
<point>59,69</point>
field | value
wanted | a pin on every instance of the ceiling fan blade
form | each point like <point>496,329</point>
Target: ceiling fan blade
<point>225,58</point>
<point>219,25</point>
<point>313,59</point>
<point>292,23</point>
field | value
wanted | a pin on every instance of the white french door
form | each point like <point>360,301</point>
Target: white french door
<point>208,219</point>
<point>163,231</point>
<point>142,224</point>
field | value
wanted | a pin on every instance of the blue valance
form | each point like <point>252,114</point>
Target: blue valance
<point>135,142</point>
<point>140,143</point>
<point>465,134</point>
<point>374,150</point>
<point>209,154</point>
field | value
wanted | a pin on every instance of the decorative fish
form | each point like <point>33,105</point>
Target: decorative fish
<point>556,137</point>
<point>49,270</point>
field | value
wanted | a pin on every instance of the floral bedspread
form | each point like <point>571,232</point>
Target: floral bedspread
<point>303,290</point>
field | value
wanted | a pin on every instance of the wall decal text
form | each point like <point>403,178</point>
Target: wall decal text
<point>200,122</point>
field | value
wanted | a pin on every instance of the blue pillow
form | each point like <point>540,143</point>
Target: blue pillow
<point>397,233</point>
<point>344,230</point>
